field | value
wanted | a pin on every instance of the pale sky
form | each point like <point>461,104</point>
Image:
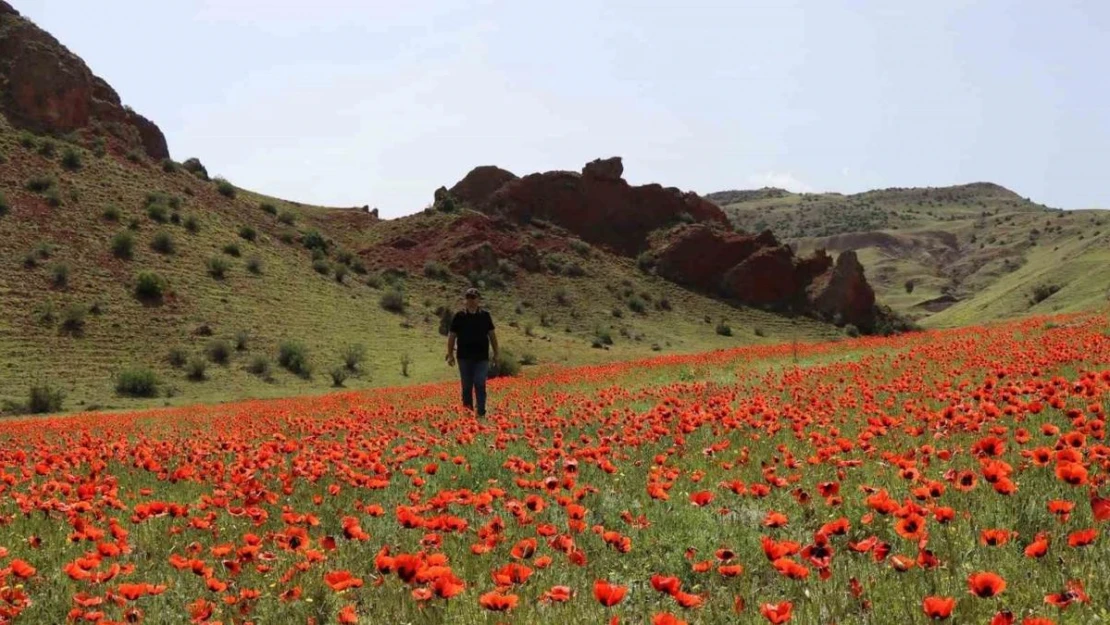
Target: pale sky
<point>343,102</point>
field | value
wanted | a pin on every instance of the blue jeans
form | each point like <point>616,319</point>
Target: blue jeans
<point>473,374</point>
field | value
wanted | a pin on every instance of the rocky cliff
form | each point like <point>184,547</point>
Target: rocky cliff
<point>685,238</point>
<point>46,88</point>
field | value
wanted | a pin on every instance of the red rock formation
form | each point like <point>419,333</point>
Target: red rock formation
<point>46,88</point>
<point>688,237</point>
<point>843,294</point>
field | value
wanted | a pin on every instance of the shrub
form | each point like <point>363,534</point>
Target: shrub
<point>436,270</point>
<point>321,266</point>
<point>218,351</point>
<point>603,335</point>
<point>158,212</point>
<point>111,213</point>
<point>505,365</point>
<point>71,159</point>
<point>197,369</point>
<point>192,224</point>
<point>268,207</point>
<point>580,247</point>
<point>909,286</point>
<point>225,188</point>
<point>177,357</point>
<point>59,275</point>
<point>636,304</point>
<point>561,296</point>
<point>313,240</point>
<point>133,224</point>
<point>135,156</point>
<point>137,382</point>
<point>617,313</point>
<point>5,208</point>
<point>345,257</point>
<point>758,331</point>
<point>53,198</point>
<point>123,245</point>
<point>1041,292</point>
<point>232,249</point>
<point>486,280</point>
<point>358,267</point>
<point>163,243</point>
<point>406,362</point>
<point>218,267</point>
<point>851,330</point>
<point>260,366</point>
<point>40,184</point>
<point>287,218</point>
<point>293,356</point>
<point>242,340</point>
<point>254,265</point>
<point>341,272</point>
<point>646,262</point>
<point>45,313</point>
<point>27,140</point>
<point>48,148</point>
<point>169,166</point>
<point>150,286</point>
<point>724,329</point>
<point>374,282</point>
<point>44,397</point>
<point>393,300</point>
<point>528,358</point>
<point>353,356</point>
<point>338,376</point>
<point>73,318</point>
<point>248,233</point>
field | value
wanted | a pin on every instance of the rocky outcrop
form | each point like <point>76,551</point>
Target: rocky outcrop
<point>686,238</point>
<point>46,88</point>
<point>597,205</point>
<point>843,293</point>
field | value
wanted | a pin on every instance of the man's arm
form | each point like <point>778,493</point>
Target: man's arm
<point>450,348</point>
<point>493,342</point>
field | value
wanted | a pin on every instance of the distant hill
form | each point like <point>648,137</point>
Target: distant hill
<point>947,255</point>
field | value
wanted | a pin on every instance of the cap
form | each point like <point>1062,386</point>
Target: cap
<point>471,292</point>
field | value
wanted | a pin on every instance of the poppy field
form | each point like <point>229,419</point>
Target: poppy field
<point>948,476</point>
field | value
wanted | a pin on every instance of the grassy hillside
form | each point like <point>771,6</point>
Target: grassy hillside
<point>951,255</point>
<point>70,316</point>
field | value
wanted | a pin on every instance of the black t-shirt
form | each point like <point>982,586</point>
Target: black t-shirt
<point>472,334</point>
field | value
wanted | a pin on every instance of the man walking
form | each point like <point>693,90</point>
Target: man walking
<point>472,333</point>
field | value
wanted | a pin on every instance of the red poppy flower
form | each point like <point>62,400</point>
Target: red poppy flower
<point>609,594</point>
<point>557,593</point>
<point>347,615</point>
<point>498,602</point>
<point>777,613</point>
<point>342,580</point>
<point>986,584</point>
<point>665,584</point>
<point>701,498</point>
<point>938,608</point>
<point>1082,538</point>
<point>666,618</point>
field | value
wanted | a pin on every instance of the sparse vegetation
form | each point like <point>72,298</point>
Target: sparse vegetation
<point>341,272</point>
<point>293,356</point>
<point>505,365</point>
<point>225,188</point>
<point>73,319</point>
<point>71,159</point>
<point>313,240</point>
<point>177,357</point>
<point>1041,292</point>
<point>40,184</point>
<point>218,267</point>
<point>59,275</point>
<point>150,286</point>
<point>436,270</point>
<point>723,328</point>
<point>163,243</point>
<point>192,225</point>
<point>218,351</point>
<point>260,366</point>
<point>909,286</point>
<point>287,218</point>
<point>5,208</point>
<point>406,362</point>
<point>321,266</point>
<point>242,340</point>
<point>353,357</point>
<point>44,397</point>
<point>393,300</point>
<point>232,249</point>
<point>254,265</point>
<point>123,245</point>
<point>268,208</point>
<point>197,369</point>
<point>338,376</point>
<point>169,166</point>
<point>248,233</point>
<point>137,382</point>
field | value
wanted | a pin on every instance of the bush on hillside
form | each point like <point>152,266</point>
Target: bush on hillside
<point>242,340</point>
<point>111,213</point>
<point>44,397</point>
<point>393,300</point>
<point>505,365</point>
<point>248,233</point>
<point>313,240</point>
<point>225,188</point>
<point>353,357</point>
<point>59,275</point>
<point>197,369</point>
<point>40,184</point>
<point>150,286</point>
<point>73,319</point>
<point>123,245</point>
<point>137,382</point>
<point>158,212</point>
<point>218,267</point>
<point>194,166</point>
<point>218,351</point>
<point>192,224</point>
<point>338,376</point>
<point>71,159</point>
<point>287,218</point>
<point>321,266</point>
<point>436,270</point>
<point>341,272</point>
<point>268,208</point>
<point>177,357</point>
<point>169,166</point>
<point>293,356</point>
<point>232,249</point>
<point>1041,292</point>
<point>724,329</point>
<point>260,366</point>
<point>5,208</point>
<point>163,243</point>
<point>909,286</point>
